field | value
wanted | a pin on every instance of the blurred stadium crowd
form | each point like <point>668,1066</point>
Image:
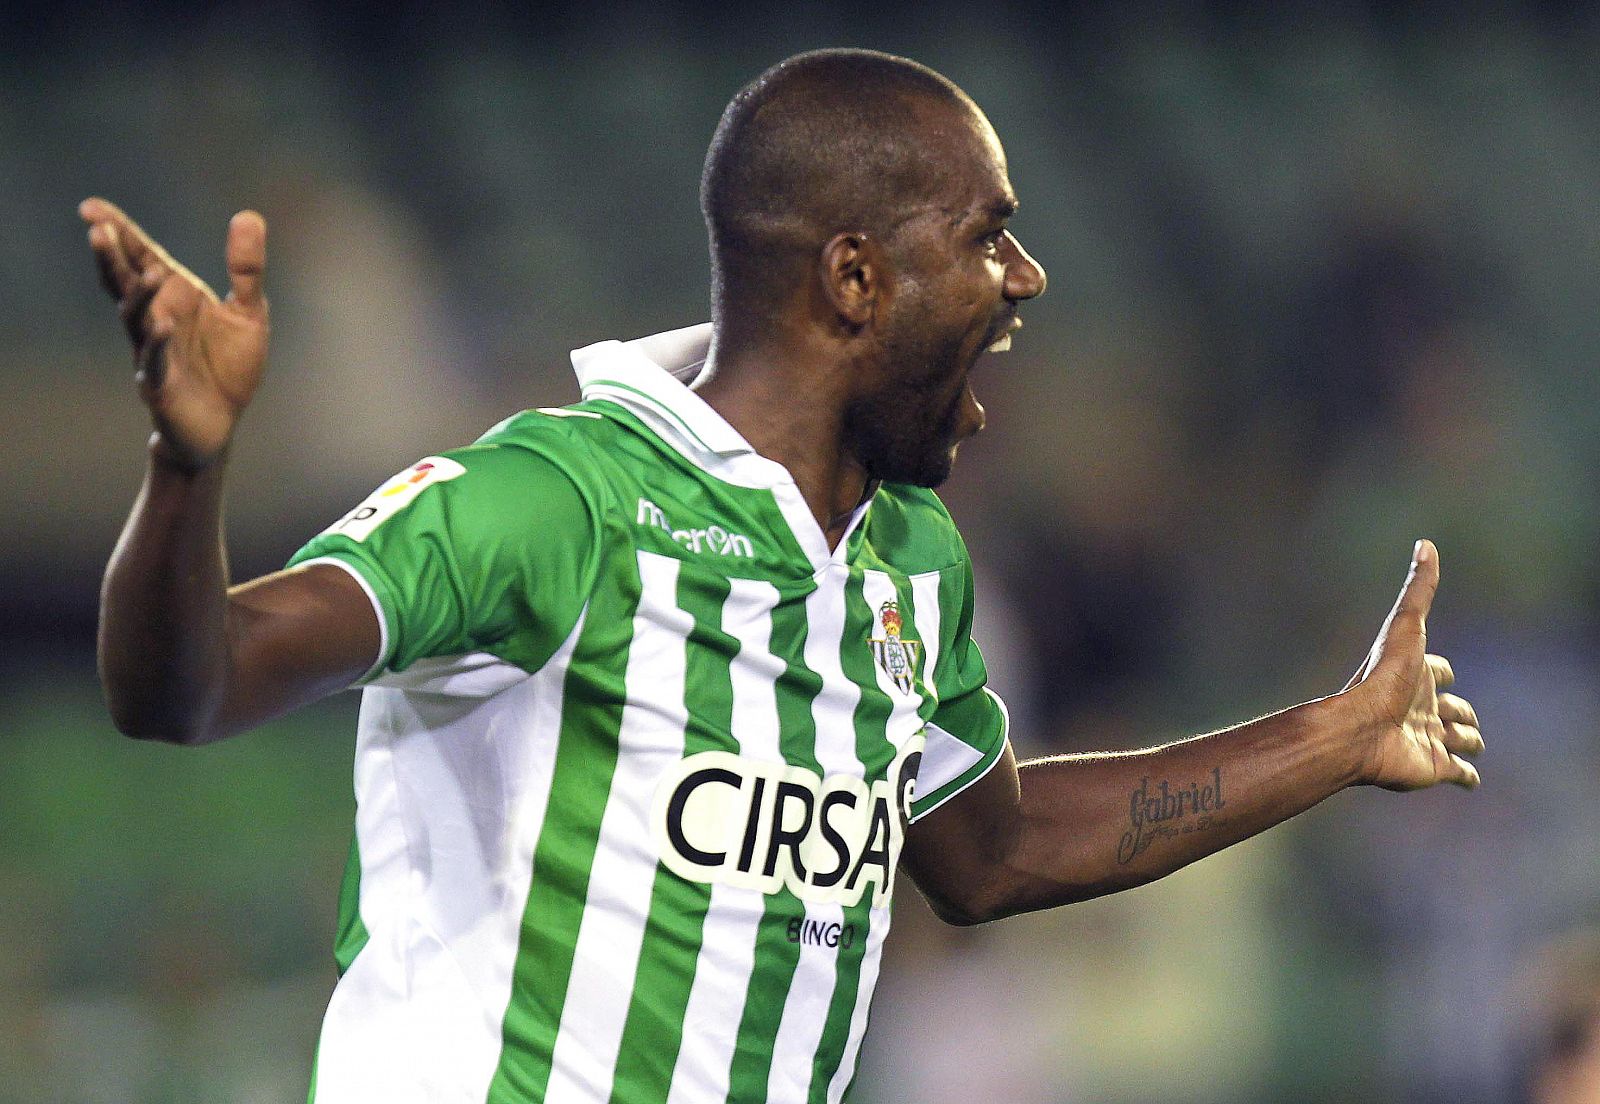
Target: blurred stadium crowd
<point>1322,281</point>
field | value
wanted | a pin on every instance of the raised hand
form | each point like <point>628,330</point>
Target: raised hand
<point>1419,735</point>
<point>199,358</point>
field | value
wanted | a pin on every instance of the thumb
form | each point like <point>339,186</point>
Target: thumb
<point>1416,596</point>
<point>1408,619</point>
<point>247,259</point>
<point>1409,616</point>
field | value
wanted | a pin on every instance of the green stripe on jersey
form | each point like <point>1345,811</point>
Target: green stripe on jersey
<point>872,716</point>
<point>352,934</point>
<point>776,956</point>
<point>654,1030</point>
<point>585,761</point>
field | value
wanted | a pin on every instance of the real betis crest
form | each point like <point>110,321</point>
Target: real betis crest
<point>897,657</point>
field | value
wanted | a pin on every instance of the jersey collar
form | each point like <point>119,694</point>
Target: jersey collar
<point>651,377</point>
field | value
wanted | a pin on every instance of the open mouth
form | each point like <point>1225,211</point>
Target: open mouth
<point>1003,342</point>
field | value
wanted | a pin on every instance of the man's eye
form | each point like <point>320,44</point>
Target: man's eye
<point>991,243</point>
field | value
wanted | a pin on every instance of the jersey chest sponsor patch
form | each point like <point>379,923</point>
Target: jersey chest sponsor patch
<point>394,496</point>
<point>719,817</point>
<point>710,540</point>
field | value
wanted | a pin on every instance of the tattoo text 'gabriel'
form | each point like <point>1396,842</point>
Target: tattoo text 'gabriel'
<point>1151,811</point>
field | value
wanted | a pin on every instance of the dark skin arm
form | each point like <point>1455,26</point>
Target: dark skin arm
<point>184,657</point>
<point>1069,828</point>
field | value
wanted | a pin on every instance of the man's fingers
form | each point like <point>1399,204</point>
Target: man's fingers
<point>1463,773</point>
<point>1453,708</point>
<point>247,259</point>
<point>161,306</point>
<point>96,210</point>
<point>136,304</point>
<point>153,357</point>
<point>115,275</point>
<point>140,248</point>
<point>1462,739</point>
<point>1443,674</point>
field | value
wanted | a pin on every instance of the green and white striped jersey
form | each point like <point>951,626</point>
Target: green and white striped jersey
<point>635,764</point>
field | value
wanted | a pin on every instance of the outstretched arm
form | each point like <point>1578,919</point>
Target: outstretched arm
<point>1068,828</point>
<point>183,658</point>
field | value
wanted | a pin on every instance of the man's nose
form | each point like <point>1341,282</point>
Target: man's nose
<point>1025,278</point>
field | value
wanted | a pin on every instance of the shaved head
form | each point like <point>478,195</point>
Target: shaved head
<point>861,261</point>
<point>828,142</point>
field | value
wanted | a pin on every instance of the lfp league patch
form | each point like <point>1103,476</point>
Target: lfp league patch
<point>394,496</point>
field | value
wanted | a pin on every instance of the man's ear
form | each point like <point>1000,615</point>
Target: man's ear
<point>855,277</point>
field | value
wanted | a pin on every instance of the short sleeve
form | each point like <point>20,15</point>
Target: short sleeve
<point>969,727</point>
<point>491,548</point>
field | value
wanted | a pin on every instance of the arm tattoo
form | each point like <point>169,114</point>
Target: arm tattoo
<point>1154,812</point>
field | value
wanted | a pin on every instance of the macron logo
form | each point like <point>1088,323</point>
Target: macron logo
<point>713,539</point>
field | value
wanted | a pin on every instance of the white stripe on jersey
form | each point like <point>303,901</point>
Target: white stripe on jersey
<point>727,948</point>
<point>925,616</point>
<point>904,723</point>
<point>805,1009</point>
<point>871,959</point>
<point>649,742</point>
<point>944,757</point>
<point>418,1015</point>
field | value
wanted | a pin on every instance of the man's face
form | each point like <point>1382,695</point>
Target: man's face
<point>959,277</point>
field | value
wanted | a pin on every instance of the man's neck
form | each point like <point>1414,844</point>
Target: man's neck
<point>788,403</point>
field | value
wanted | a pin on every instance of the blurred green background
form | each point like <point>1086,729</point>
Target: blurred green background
<point>1322,282</point>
